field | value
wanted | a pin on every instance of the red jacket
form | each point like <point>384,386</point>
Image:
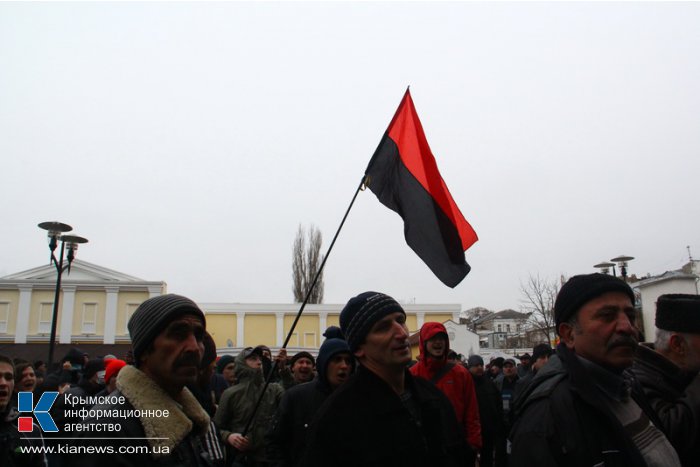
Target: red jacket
<point>456,384</point>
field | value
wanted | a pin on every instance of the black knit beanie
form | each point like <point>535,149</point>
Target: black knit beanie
<point>223,362</point>
<point>580,289</point>
<point>678,312</point>
<point>302,354</point>
<point>153,315</point>
<point>360,314</point>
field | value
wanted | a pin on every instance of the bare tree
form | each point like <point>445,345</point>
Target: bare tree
<point>539,296</point>
<point>306,259</point>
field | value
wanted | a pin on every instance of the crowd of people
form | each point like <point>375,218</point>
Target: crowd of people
<point>599,398</point>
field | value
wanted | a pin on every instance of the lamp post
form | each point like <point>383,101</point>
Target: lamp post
<point>56,233</point>
<point>622,264</point>
<point>605,267</point>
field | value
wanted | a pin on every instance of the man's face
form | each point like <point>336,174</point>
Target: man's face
<point>27,381</point>
<point>525,361</point>
<point>605,332</point>
<point>338,369</point>
<point>386,345</point>
<point>229,373</point>
<point>436,346</point>
<point>477,370</point>
<point>254,361</point>
<point>266,354</point>
<point>494,370</point>
<point>303,370</point>
<point>692,358</point>
<point>174,357</point>
<point>509,369</point>
<point>7,384</point>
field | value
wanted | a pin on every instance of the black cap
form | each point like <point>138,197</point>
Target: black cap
<point>678,312</point>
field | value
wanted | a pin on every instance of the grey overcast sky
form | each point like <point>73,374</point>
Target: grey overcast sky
<point>188,141</point>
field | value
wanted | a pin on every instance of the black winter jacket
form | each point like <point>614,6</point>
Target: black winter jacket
<point>563,420</point>
<point>364,423</point>
<point>675,397</point>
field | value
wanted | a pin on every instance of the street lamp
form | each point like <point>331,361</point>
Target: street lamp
<point>56,233</point>
<point>622,264</point>
<point>605,267</point>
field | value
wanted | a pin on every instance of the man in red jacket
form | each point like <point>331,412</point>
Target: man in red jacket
<point>452,379</point>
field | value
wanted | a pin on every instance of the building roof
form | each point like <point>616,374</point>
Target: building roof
<point>668,275</point>
<point>503,314</point>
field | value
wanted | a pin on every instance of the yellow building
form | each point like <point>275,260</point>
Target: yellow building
<point>235,326</point>
<point>96,303</point>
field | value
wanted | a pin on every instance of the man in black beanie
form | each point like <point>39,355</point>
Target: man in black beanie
<point>167,423</point>
<point>668,372</point>
<point>383,416</point>
<point>580,409</point>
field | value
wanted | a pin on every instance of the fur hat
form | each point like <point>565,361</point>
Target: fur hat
<point>678,312</point>
<point>360,314</point>
<point>580,289</point>
<point>154,315</point>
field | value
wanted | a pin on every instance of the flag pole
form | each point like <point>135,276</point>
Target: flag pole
<point>303,305</point>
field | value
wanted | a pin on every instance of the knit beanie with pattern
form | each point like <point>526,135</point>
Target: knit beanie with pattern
<point>360,314</point>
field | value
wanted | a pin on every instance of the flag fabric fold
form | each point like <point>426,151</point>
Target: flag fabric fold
<point>404,176</point>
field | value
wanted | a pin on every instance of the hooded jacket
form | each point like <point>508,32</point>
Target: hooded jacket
<point>238,402</point>
<point>456,384</point>
<point>287,439</point>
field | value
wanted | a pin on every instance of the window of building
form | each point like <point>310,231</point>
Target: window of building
<point>507,327</point>
<point>310,339</point>
<point>45,314</point>
<point>130,308</point>
<point>498,328</point>
<point>89,317</point>
<point>4,316</point>
<point>294,340</point>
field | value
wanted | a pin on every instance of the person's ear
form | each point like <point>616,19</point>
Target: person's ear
<point>566,333</point>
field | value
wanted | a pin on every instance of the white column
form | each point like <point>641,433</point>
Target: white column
<point>67,309</point>
<point>111,315</point>
<point>420,319</point>
<point>153,291</point>
<point>280,328</point>
<point>23,309</point>
<point>240,329</point>
<point>322,316</point>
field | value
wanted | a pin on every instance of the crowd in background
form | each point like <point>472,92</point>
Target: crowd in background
<point>363,401</point>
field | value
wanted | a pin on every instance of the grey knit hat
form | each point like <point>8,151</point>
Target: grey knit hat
<point>153,315</point>
<point>360,314</point>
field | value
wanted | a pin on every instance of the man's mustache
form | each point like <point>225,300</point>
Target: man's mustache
<point>623,341</point>
<point>187,360</point>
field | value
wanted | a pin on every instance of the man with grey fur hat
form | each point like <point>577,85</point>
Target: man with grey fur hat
<point>668,372</point>
<point>580,409</point>
<point>383,416</point>
<point>166,335</point>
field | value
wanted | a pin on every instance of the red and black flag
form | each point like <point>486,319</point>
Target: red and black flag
<point>404,176</point>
